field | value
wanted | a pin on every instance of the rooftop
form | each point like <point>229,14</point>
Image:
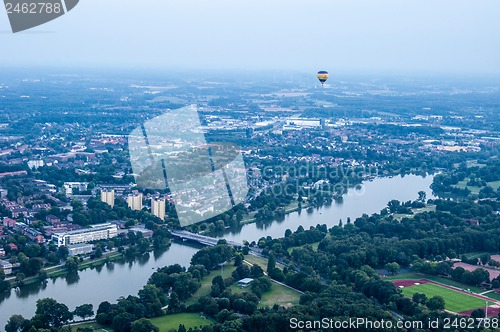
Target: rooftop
<point>245,281</point>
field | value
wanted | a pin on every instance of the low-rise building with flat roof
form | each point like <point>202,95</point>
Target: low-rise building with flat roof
<point>80,249</point>
<point>245,282</point>
<point>6,267</point>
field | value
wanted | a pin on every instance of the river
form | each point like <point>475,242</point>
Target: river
<point>114,280</point>
<point>370,197</point>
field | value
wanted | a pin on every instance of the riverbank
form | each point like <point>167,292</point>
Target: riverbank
<point>60,270</point>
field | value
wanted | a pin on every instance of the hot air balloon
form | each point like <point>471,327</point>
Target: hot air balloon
<point>322,76</point>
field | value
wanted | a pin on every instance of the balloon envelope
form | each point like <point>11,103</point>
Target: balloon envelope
<point>322,76</point>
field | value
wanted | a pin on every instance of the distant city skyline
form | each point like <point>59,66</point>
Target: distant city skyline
<point>424,36</point>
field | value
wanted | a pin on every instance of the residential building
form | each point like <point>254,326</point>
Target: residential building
<point>52,219</point>
<point>6,267</point>
<point>158,207</point>
<point>119,189</point>
<point>134,201</point>
<point>108,196</point>
<point>29,232</point>
<point>95,233</point>
<point>35,164</point>
<point>2,175</point>
<point>71,188</point>
<point>18,211</point>
<point>8,222</point>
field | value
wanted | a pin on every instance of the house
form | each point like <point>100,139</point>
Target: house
<point>52,219</point>
<point>6,267</point>
<point>13,247</point>
<point>40,207</point>
<point>18,211</point>
<point>8,222</point>
<point>245,282</point>
<point>473,221</point>
<point>119,223</point>
<point>33,234</point>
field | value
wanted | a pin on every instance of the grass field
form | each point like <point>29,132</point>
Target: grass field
<point>474,163</point>
<point>313,245</point>
<point>260,261</point>
<point>441,280</point>
<point>428,208</point>
<point>455,301</point>
<point>206,283</point>
<point>172,322</point>
<point>475,190</point>
<point>474,255</point>
<point>94,326</point>
<point>493,295</point>
<point>280,295</point>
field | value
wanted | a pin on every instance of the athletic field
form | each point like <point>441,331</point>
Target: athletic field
<point>455,300</point>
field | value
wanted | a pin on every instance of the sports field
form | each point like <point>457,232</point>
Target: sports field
<point>455,300</point>
<point>172,322</point>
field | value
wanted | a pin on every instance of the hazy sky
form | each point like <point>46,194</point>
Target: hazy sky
<point>344,35</point>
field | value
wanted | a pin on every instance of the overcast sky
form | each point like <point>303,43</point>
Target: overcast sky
<point>345,35</point>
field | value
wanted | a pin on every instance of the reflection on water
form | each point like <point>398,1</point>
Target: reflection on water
<point>369,198</point>
<point>110,266</point>
<point>94,285</point>
<point>72,278</point>
<point>143,259</point>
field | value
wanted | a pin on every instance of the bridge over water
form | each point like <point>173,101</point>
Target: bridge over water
<point>205,240</point>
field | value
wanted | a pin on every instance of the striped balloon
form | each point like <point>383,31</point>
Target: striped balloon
<point>322,76</point>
